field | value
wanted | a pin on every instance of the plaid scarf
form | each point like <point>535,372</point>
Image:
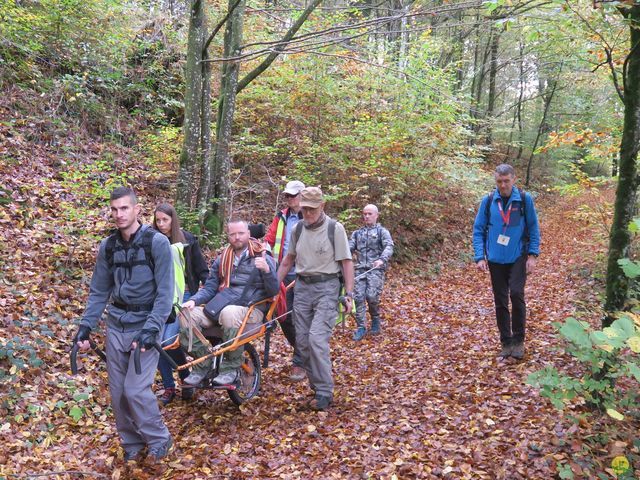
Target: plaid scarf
<point>226,262</point>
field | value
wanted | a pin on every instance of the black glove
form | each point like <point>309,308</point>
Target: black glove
<point>146,338</point>
<point>82,334</point>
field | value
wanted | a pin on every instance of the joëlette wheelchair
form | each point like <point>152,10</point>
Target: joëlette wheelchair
<point>248,383</point>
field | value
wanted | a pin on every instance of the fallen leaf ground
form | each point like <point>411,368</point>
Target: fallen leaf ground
<point>427,399</point>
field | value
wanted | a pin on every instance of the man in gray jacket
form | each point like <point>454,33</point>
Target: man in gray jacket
<point>133,278</point>
<point>374,246</point>
<point>243,274</point>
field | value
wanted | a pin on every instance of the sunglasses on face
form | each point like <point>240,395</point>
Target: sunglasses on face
<point>288,195</point>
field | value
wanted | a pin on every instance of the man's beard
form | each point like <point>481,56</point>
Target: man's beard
<point>317,223</point>
<point>239,249</point>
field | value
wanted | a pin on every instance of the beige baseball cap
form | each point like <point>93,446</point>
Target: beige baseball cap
<point>311,197</point>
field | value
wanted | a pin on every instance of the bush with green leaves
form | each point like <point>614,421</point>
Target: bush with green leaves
<point>606,356</point>
<point>609,362</point>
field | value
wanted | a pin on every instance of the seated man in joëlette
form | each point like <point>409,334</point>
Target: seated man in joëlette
<point>242,275</point>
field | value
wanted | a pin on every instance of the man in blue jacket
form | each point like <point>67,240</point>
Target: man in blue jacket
<point>506,241</point>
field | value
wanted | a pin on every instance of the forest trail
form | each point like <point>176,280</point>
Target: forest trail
<point>427,399</point>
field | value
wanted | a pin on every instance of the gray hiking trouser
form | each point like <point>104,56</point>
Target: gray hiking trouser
<point>368,288</point>
<point>315,311</point>
<point>135,407</point>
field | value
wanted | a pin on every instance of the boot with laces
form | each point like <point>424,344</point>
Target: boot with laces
<point>167,397</point>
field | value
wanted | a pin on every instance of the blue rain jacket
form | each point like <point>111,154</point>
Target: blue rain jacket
<point>487,230</point>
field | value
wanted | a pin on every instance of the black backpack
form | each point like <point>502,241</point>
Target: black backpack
<point>145,244</point>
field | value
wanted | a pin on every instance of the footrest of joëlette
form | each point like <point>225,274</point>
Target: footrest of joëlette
<point>208,384</point>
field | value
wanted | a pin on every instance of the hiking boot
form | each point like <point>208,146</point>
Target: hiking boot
<point>226,378</point>
<point>188,393</point>
<point>359,333</point>
<point>133,455</point>
<point>167,397</point>
<point>195,377</point>
<point>375,327</point>
<point>297,374</point>
<point>320,403</point>
<point>158,453</point>
<point>506,351</point>
<point>518,351</point>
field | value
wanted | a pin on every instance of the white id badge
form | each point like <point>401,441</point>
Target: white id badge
<point>503,240</point>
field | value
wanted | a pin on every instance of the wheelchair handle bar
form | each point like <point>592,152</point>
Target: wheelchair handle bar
<point>165,355</point>
<point>136,356</point>
<point>365,273</point>
<point>74,355</point>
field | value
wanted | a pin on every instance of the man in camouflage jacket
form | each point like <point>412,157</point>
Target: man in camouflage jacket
<point>374,246</point>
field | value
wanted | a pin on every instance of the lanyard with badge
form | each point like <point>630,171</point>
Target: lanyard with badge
<point>506,217</point>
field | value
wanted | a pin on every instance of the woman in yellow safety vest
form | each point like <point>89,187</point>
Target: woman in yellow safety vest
<point>191,270</point>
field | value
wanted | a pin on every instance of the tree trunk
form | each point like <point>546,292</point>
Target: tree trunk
<point>519,107</point>
<point>624,208</point>
<point>404,39</point>
<point>193,150</point>
<point>476,83</point>
<point>543,122</point>
<point>205,116</point>
<point>218,191</point>
<point>493,70</point>
<point>480,70</point>
<point>215,206</point>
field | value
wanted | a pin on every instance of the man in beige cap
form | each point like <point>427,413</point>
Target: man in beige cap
<point>319,247</point>
<point>279,238</point>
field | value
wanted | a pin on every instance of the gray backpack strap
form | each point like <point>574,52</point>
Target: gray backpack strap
<point>297,231</point>
<point>331,233</point>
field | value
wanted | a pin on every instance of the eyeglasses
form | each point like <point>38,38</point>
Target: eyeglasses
<point>288,195</point>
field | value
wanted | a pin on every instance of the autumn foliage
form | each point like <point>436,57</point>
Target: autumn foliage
<point>427,399</point>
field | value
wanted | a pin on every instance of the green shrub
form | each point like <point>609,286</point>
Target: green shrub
<point>606,357</point>
<point>609,369</point>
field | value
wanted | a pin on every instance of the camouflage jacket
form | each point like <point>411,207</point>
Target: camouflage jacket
<point>371,244</point>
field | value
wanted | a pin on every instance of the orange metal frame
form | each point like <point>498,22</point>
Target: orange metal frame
<point>237,341</point>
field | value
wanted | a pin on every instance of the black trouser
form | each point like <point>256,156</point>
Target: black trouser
<point>287,325</point>
<point>507,281</point>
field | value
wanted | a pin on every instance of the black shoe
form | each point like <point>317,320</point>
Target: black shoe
<point>320,403</point>
<point>133,455</point>
<point>158,453</point>
<point>188,393</point>
<point>506,351</point>
<point>517,351</point>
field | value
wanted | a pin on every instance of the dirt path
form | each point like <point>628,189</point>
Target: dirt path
<point>428,399</point>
